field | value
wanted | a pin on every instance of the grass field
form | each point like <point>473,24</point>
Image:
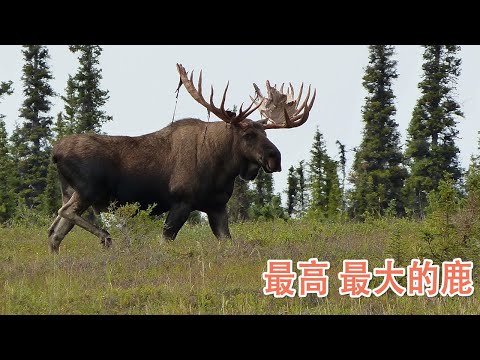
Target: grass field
<point>196,274</point>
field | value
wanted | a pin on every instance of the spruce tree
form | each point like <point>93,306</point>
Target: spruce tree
<point>51,199</point>
<point>275,209</point>
<point>472,182</point>
<point>7,201</point>
<point>324,184</point>
<point>6,171</point>
<point>431,150</point>
<point>32,139</point>
<point>266,204</point>
<point>84,98</point>
<point>292,191</point>
<point>317,171</point>
<point>5,89</point>
<point>263,188</point>
<point>332,190</point>
<point>240,201</point>
<point>343,168</point>
<point>475,160</point>
<point>302,187</point>
<point>317,175</point>
<point>66,123</point>
<point>378,174</point>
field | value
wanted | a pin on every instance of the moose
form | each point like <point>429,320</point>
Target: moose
<point>188,165</point>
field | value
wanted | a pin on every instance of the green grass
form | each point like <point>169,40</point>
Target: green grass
<point>196,274</point>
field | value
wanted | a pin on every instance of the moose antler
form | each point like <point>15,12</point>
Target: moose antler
<point>225,115</point>
<point>280,108</point>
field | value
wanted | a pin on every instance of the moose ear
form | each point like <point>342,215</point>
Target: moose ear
<point>262,121</point>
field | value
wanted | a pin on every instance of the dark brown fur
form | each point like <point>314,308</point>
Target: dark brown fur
<point>189,165</point>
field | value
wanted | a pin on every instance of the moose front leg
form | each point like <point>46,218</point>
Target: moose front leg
<point>218,219</point>
<point>177,216</point>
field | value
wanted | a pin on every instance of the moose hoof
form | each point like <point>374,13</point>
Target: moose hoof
<point>106,242</point>
<point>53,248</point>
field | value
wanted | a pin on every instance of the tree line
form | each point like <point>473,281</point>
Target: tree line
<point>28,176</point>
<point>385,179</point>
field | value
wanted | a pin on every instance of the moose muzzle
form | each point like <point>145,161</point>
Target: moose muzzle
<point>272,161</point>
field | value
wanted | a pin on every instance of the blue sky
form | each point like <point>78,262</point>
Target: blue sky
<point>142,81</point>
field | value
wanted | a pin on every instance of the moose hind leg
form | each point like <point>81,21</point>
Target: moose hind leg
<point>177,216</point>
<point>61,229</point>
<point>51,229</point>
<point>73,210</point>
<point>67,193</point>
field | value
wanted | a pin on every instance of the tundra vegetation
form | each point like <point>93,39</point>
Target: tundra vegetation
<point>401,202</point>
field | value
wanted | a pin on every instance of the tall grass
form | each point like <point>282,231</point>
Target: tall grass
<point>196,274</point>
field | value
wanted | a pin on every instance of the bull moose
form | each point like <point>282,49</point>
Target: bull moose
<point>188,165</point>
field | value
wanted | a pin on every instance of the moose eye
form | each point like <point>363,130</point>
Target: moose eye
<point>249,136</point>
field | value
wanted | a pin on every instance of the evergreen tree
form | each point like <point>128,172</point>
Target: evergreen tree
<point>83,97</point>
<point>51,198</point>
<point>472,182</point>
<point>66,123</point>
<point>7,201</point>
<point>240,202</point>
<point>31,140</point>
<point>475,160</point>
<point>343,169</point>
<point>275,209</point>
<point>263,189</point>
<point>302,187</point>
<point>292,191</point>
<point>5,89</point>
<point>431,150</point>
<point>324,184</point>
<point>332,190</point>
<point>317,172</point>
<point>266,204</point>
<point>378,174</point>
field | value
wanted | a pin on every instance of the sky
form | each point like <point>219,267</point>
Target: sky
<point>142,81</point>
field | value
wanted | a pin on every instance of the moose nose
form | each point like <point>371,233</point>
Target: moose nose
<point>274,160</point>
